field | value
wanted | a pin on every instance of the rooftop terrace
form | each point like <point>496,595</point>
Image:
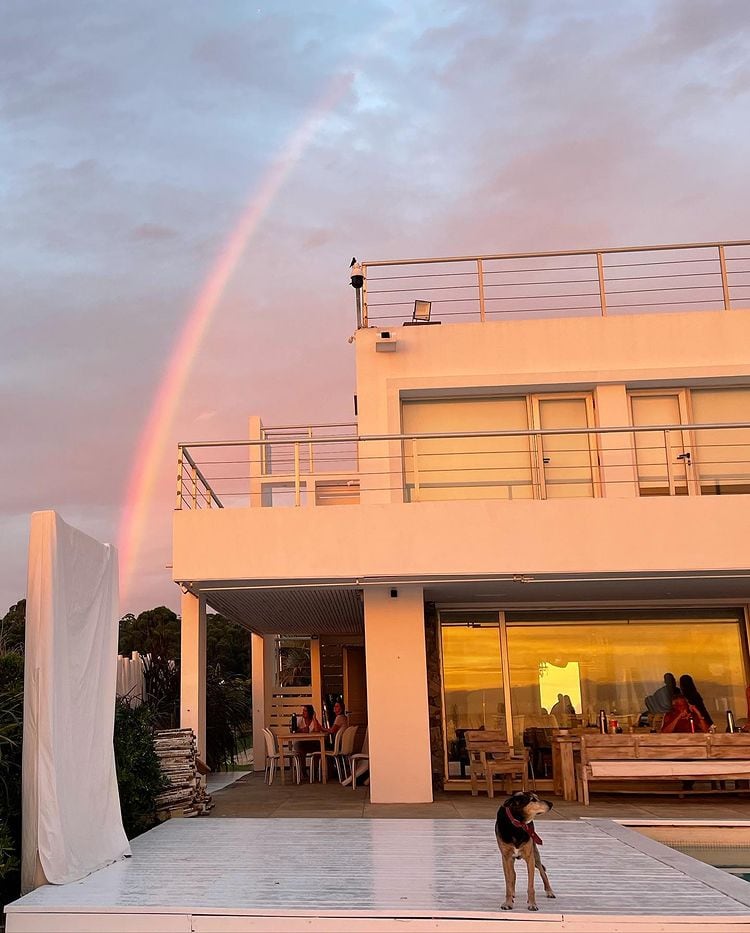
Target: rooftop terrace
<point>622,280</point>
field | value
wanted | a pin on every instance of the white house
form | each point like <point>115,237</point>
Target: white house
<point>544,502</point>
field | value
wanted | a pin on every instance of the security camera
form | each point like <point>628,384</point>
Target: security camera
<point>357,274</point>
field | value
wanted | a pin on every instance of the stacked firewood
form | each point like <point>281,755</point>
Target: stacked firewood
<point>178,760</point>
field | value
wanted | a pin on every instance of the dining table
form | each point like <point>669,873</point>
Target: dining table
<point>289,738</point>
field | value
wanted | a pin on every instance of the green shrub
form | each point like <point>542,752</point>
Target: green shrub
<point>228,714</point>
<point>138,775</point>
<point>11,732</point>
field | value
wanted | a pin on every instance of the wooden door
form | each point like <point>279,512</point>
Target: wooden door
<point>355,684</point>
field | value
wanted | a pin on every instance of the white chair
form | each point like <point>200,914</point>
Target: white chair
<point>336,754</point>
<point>347,748</point>
<point>357,762</point>
<point>272,758</point>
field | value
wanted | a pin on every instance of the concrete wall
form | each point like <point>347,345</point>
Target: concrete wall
<point>446,538</point>
<point>551,354</point>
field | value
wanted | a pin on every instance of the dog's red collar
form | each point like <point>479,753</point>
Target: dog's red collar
<point>528,827</point>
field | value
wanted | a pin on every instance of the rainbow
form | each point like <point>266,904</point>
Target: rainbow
<point>151,443</point>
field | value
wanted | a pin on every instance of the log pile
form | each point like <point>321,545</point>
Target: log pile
<point>178,760</point>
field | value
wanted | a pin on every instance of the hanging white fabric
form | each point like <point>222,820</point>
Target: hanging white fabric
<point>71,807</point>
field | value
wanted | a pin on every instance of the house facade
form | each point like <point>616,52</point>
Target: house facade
<point>542,508</point>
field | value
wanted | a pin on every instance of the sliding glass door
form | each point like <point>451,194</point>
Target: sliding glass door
<point>513,466</point>
<point>472,680</point>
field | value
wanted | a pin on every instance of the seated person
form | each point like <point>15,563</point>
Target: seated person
<point>683,717</point>
<point>341,720</point>
<point>660,701</point>
<point>307,721</point>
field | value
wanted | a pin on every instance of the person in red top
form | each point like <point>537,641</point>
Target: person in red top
<point>684,717</point>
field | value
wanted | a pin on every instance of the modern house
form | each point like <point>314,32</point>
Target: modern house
<point>542,508</point>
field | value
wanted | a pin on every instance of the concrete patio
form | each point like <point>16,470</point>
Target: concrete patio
<point>250,797</point>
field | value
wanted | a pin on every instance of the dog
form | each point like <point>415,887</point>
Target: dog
<point>517,839</point>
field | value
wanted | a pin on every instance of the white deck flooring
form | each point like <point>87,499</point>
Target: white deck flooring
<point>409,874</point>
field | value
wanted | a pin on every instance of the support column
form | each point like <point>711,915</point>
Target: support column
<point>193,668</point>
<point>262,675</point>
<point>616,454</point>
<point>397,707</point>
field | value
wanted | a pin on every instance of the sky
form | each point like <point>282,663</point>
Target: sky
<point>134,135</point>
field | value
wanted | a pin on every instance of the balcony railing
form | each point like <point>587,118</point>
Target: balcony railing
<point>625,280</point>
<point>348,469</point>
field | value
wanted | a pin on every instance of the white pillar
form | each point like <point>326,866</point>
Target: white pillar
<point>193,668</point>
<point>616,454</point>
<point>262,683</point>
<point>397,710</point>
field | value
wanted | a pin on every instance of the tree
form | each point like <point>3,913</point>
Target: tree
<point>13,627</point>
<point>227,647</point>
<point>155,632</point>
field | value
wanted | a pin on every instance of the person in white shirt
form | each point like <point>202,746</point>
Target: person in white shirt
<point>306,722</point>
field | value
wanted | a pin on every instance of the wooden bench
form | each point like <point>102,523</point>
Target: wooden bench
<point>490,755</point>
<point>681,757</point>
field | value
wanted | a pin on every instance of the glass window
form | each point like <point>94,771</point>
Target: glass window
<point>722,454</point>
<point>472,683</point>
<point>471,467</point>
<point>660,455</point>
<point>293,662</point>
<point>561,674</point>
<point>566,457</point>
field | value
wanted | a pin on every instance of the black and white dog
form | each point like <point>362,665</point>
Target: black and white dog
<point>517,839</point>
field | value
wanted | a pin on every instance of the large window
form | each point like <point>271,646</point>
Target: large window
<point>569,666</point>
<point>514,466</point>
<point>472,680</point>
<point>687,461</point>
<point>566,666</point>
<point>722,454</point>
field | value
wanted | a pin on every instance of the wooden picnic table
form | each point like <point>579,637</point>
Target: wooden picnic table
<point>288,738</point>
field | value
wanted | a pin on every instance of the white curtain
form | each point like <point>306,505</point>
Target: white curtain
<point>71,807</point>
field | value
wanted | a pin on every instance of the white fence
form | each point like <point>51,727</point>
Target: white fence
<point>131,682</point>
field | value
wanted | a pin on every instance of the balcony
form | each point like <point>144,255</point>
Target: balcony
<point>597,282</point>
<point>326,465</point>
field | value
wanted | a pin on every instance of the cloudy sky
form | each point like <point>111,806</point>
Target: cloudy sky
<point>133,135</point>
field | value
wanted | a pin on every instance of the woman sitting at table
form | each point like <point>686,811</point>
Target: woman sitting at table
<point>683,717</point>
<point>307,722</point>
<point>341,720</point>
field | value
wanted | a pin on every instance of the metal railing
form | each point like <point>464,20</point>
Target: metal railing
<point>279,459</point>
<point>687,459</point>
<point>623,280</point>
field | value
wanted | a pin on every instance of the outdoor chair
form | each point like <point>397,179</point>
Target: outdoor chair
<point>272,758</point>
<point>355,760</point>
<point>336,755</point>
<point>489,756</point>
<point>539,742</point>
<point>347,750</point>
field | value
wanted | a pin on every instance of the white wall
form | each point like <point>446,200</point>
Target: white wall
<point>397,714</point>
<point>552,354</point>
<point>193,668</point>
<point>555,536</point>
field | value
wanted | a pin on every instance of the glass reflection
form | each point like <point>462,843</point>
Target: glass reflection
<point>615,665</point>
<point>472,686</point>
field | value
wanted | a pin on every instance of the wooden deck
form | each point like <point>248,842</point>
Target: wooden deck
<point>279,875</point>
